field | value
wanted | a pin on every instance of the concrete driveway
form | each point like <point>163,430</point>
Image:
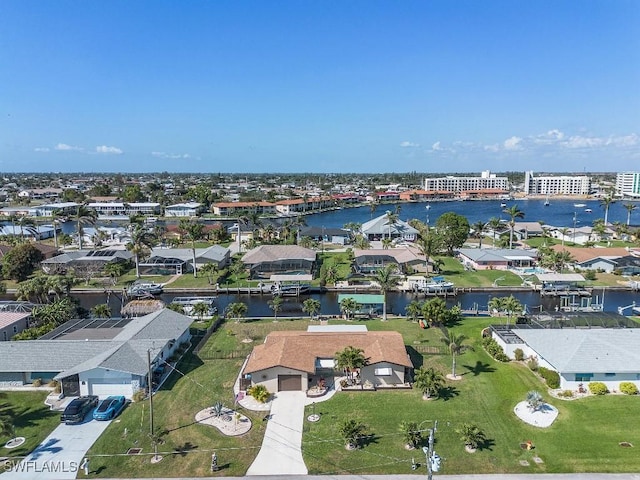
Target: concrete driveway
<point>60,455</point>
<point>281,452</point>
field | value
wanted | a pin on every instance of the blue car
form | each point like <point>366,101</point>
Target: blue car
<point>109,408</point>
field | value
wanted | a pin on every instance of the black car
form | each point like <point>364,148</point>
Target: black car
<point>78,409</point>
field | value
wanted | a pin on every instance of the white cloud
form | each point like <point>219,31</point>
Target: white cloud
<point>436,146</point>
<point>109,150</point>
<point>492,148</point>
<point>578,141</point>
<point>513,143</point>
<point>67,148</point>
<point>409,144</point>
<point>172,156</point>
<point>41,149</point>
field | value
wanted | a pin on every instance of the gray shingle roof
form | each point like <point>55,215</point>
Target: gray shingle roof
<point>127,352</point>
<point>596,350</point>
<point>215,253</point>
<point>380,226</point>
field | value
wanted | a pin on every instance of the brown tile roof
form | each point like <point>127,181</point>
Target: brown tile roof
<point>299,350</point>
<point>584,254</point>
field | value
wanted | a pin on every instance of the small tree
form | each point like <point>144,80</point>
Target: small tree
<point>429,381</point>
<point>410,433</point>
<point>102,310</point>
<point>455,343</point>
<point>350,359</point>
<point>349,306</point>
<point>471,435</point>
<point>276,305</point>
<point>200,309</point>
<point>534,400</point>
<point>259,392</point>
<point>236,310</point>
<point>311,306</point>
<point>352,431</point>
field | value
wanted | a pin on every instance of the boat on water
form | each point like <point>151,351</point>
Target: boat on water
<point>546,202</point>
<point>144,289</point>
<point>188,304</point>
<point>503,205</point>
<point>579,205</point>
<point>438,285</point>
<point>290,290</point>
<point>588,210</point>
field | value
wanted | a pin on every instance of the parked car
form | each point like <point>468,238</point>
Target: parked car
<point>78,409</point>
<point>109,408</point>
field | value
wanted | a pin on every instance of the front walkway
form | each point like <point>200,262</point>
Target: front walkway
<point>281,452</point>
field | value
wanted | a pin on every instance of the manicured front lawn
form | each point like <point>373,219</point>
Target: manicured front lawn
<point>584,438</point>
<point>32,419</point>
<point>455,272</point>
<point>187,446</point>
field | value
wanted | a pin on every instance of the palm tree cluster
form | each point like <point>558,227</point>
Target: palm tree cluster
<point>508,306</point>
<point>434,311</point>
<point>350,360</point>
<point>429,381</point>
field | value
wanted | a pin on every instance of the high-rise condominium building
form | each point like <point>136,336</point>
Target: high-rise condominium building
<point>486,181</point>
<point>628,184</point>
<point>556,184</point>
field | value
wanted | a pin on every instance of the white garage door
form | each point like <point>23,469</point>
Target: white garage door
<point>103,388</point>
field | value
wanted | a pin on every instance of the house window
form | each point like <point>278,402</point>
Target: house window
<point>383,372</point>
<point>584,377</point>
<point>15,329</point>
<point>609,374</point>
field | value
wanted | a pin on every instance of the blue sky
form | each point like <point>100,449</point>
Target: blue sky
<point>319,86</point>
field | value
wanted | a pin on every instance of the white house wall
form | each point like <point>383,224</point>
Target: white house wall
<point>396,377</point>
<point>568,382</point>
<point>269,377</point>
<point>103,382</point>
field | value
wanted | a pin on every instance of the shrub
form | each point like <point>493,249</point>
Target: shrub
<point>551,377</point>
<point>566,393</point>
<point>518,354</point>
<point>590,275</point>
<point>628,388</point>
<point>493,349</point>
<point>139,395</point>
<point>598,388</point>
<point>532,363</point>
<point>259,392</point>
<point>37,382</point>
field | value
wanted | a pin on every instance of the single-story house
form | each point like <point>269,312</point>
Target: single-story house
<point>496,259</point>
<point>380,227</point>
<point>265,260</point>
<point>579,235</point>
<point>87,259</point>
<point>338,236</point>
<point>33,232</point>
<point>48,251</point>
<point>372,260</point>
<point>594,258</point>
<point>294,360</point>
<point>177,261</point>
<point>105,357</point>
<point>580,355</point>
<point>188,209</point>
<point>12,323</point>
<point>524,230</point>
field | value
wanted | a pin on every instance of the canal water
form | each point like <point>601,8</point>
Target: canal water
<point>396,301</point>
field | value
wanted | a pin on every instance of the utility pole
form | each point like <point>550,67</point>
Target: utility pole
<point>432,459</point>
<point>150,384</point>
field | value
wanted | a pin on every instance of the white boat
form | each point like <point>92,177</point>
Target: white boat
<point>290,290</point>
<point>144,289</point>
<point>588,210</point>
<point>188,304</point>
<point>546,202</point>
<point>579,205</point>
<point>436,285</point>
<point>503,205</point>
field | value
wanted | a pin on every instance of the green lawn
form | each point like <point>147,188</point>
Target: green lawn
<point>455,272</point>
<point>32,419</point>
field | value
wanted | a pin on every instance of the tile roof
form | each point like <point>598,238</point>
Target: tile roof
<point>9,318</point>
<point>299,350</point>
<point>274,253</point>
<point>583,254</point>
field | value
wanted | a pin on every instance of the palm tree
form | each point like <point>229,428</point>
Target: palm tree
<point>275,304</point>
<point>193,230</point>
<point>478,229</point>
<point>512,306</point>
<point>84,216</point>
<point>114,270</point>
<point>605,202</point>
<point>141,241</point>
<point>471,435</point>
<point>434,311</point>
<point>413,309</point>
<point>348,306</point>
<point>200,309</point>
<point>534,400</point>
<point>311,306</point>
<point>373,206</point>
<point>494,223</point>
<point>55,219</point>
<point>630,207</point>
<point>176,307</point>
<point>429,381</point>
<point>387,281</point>
<point>412,436</point>
<point>513,212</point>
<point>564,231</point>
<point>361,242</point>
<point>349,360</point>
<point>386,243</point>
<point>352,431</point>
<point>29,223</point>
<point>456,346</point>
<point>209,270</point>
<point>392,219</point>
<point>102,310</point>
<point>236,310</point>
